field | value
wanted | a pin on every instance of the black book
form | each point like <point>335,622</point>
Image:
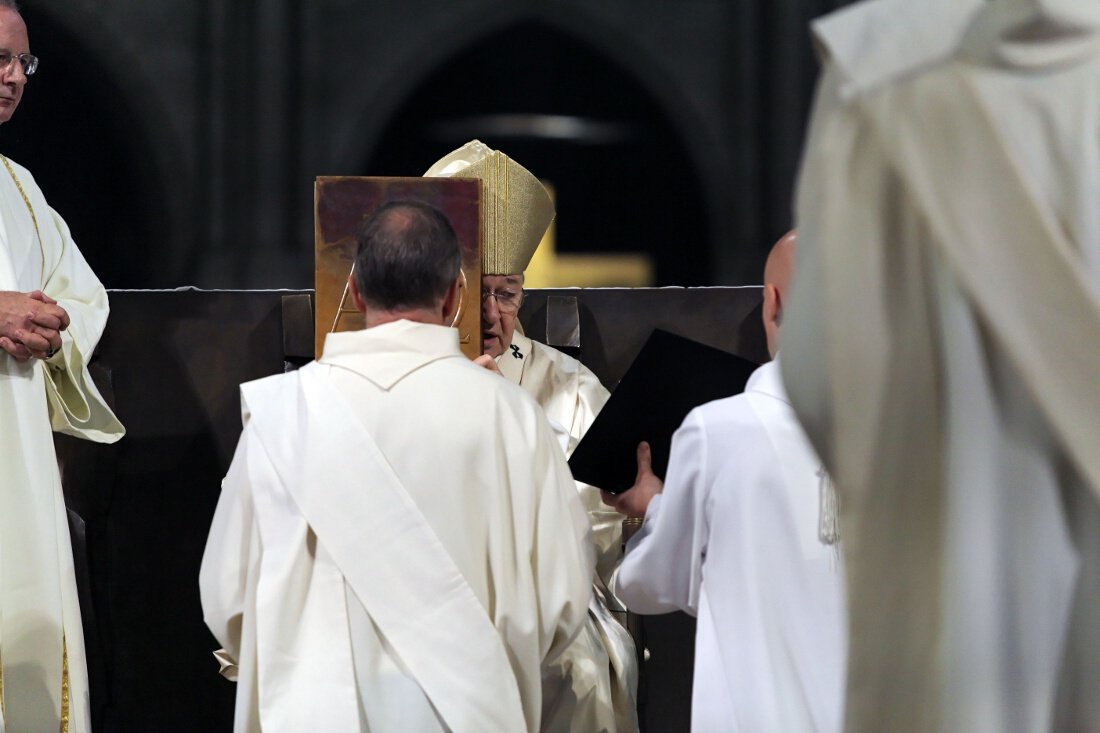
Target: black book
<point>670,376</point>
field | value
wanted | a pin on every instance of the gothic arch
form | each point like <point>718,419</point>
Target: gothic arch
<point>642,190</point>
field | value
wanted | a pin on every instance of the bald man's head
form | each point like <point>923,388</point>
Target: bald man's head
<point>780,265</point>
<point>778,271</point>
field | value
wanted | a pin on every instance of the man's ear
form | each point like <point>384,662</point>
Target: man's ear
<point>772,315</point>
<point>773,307</point>
<point>360,304</point>
<point>450,300</point>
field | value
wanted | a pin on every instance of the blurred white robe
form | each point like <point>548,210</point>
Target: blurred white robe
<point>39,612</point>
<point>601,666</point>
<point>941,349</point>
<point>733,539</point>
<point>326,642</point>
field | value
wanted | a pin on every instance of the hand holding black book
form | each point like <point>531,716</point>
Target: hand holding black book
<point>670,376</point>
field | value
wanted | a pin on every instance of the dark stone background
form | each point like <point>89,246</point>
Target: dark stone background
<point>180,138</point>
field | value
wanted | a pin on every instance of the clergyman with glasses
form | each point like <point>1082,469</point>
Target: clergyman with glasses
<point>52,312</point>
<point>598,673</point>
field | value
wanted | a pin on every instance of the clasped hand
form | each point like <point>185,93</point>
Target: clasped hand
<point>31,324</point>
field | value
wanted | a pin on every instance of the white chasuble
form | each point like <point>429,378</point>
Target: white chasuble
<point>599,673</point>
<point>39,614</point>
<point>373,564</point>
<point>415,605</point>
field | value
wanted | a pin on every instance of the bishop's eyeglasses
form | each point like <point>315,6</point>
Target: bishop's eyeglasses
<point>28,61</point>
<point>507,300</point>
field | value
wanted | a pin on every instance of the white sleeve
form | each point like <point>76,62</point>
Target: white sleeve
<point>564,558</point>
<point>662,570</point>
<point>75,405</point>
<point>231,549</point>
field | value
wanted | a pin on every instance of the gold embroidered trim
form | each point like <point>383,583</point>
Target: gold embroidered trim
<point>499,177</point>
<point>64,685</point>
<point>34,219</point>
<point>504,229</point>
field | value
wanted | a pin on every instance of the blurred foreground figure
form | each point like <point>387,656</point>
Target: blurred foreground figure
<point>598,675</point>
<point>742,535</point>
<point>943,351</point>
<point>52,312</point>
<point>398,545</point>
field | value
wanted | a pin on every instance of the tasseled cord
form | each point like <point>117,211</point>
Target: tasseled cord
<point>828,522</point>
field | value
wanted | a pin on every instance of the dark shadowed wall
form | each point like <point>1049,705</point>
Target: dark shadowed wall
<point>181,139</point>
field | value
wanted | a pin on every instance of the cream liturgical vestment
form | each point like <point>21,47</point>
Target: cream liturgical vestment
<point>734,539</point>
<point>398,545</point>
<point>600,667</point>
<point>40,631</point>
<point>942,347</point>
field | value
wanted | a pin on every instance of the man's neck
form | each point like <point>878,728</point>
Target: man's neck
<point>422,315</point>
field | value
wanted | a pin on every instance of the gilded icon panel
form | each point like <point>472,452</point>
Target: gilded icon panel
<point>341,204</point>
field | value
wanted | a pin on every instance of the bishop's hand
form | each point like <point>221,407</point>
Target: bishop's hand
<point>486,361</point>
<point>634,501</point>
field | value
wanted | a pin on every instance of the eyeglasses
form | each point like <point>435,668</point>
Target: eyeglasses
<point>507,300</point>
<point>29,62</point>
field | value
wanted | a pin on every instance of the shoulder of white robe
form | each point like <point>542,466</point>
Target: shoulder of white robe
<point>874,42</point>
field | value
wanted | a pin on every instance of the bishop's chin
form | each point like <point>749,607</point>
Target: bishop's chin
<point>490,344</point>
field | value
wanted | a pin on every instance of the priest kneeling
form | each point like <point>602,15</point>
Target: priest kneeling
<point>399,545</point>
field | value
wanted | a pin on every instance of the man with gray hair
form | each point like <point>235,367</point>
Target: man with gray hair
<point>52,312</point>
<point>398,545</point>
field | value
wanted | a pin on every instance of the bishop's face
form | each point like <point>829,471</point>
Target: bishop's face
<point>13,41</point>
<point>501,296</point>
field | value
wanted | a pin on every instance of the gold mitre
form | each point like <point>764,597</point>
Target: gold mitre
<point>516,210</point>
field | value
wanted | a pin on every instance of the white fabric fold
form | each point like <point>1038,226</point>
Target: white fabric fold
<point>417,602</point>
<point>39,610</point>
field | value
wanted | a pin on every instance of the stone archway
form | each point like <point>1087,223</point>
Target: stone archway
<point>566,109</point>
